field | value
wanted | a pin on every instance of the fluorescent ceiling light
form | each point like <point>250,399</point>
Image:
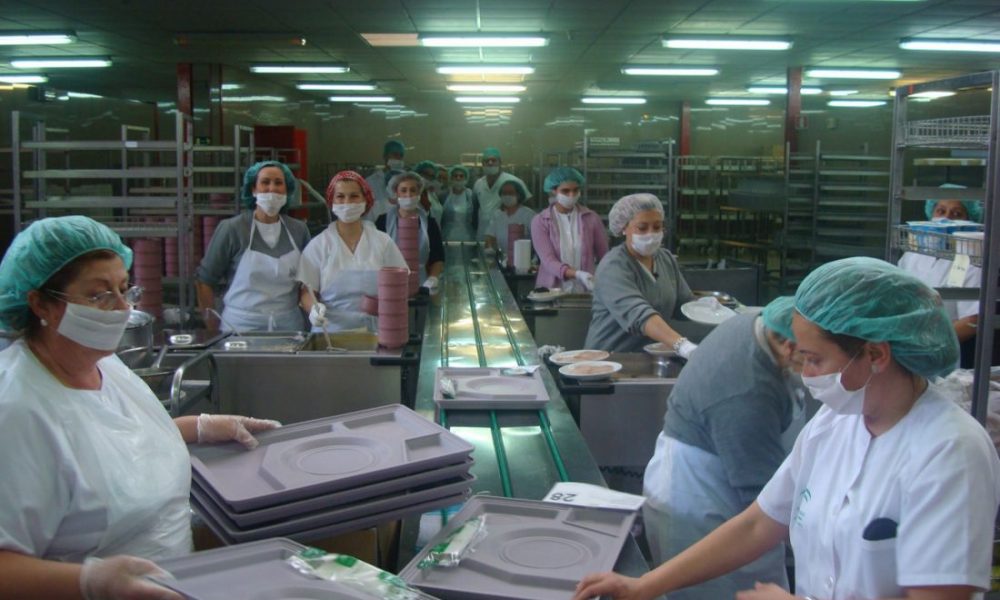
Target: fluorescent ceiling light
<point>856,103</point>
<point>226,99</point>
<point>854,73</point>
<point>487,99</point>
<point>26,38</point>
<point>761,89</point>
<point>932,94</point>
<point>299,68</point>
<point>7,78</point>
<point>671,71</point>
<point>361,99</point>
<point>83,95</point>
<point>336,87</point>
<point>60,62</point>
<point>484,41</point>
<point>612,100</point>
<point>951,45</point>
<point>843,92</point>
<point>486,87</point>
<point>727,43</point>
<point>737,102</point>
<point>485,69</point>
<point>595,108</point>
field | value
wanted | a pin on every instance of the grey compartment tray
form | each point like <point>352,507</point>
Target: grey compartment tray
<point>299,507</point>
<point>259,342</point>
<point>325,455</point>
<point>335,514</point>
<point>231,536</point>
<point>532,551</point>
<point>486,389</point>
<point>256,570</point>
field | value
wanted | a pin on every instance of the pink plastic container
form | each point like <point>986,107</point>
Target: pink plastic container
<point>390,276</point>
<point>370,304</point>
<point>393,338</point>
<point>397,306</point>
<point>393,321</point>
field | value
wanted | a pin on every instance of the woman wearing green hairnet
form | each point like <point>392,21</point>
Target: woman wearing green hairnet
<point>257,252</point>
<point>94,470</point>
<point>891,490</point>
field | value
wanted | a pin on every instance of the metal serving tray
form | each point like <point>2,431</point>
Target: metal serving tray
<point>343,497</point>
<point>318,457</point>
<point>257,570</point>
<point>532,551</point>
<point>485,388</point>
<point>260,342</point>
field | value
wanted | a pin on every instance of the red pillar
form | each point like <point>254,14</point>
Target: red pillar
<point>185,98</point>
<point>684,148</point>
<point>793,108</point>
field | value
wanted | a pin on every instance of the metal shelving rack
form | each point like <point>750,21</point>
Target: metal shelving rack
<point>851,205</point>
<point>802,192</point>
<point>968,132</point>
<point>694,201</point>
<point>136,170</point>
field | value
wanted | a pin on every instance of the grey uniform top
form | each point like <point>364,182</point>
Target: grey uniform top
<point>232,238</point>
<point>731,400</point>
<point>626,295</point>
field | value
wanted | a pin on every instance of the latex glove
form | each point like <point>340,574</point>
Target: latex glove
<point>431,283</point>
<point>686,348</point>
<point>586,279</point>
<point>225,428</point>
<point>317,314</point>
<point>121,578</point>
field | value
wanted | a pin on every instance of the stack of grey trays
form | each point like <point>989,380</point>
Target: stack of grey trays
<point>321,478</point>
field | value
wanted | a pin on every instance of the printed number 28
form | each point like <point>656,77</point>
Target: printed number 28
<point>561,497</point>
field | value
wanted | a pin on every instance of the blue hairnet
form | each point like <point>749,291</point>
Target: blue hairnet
<point>461,168</point>
<point>40,251</point>
<point>250,180</point>
<point>425,164</point>
<point>777,316</point>
<point>628,207</point>
<point>393,146</point>
<point>560,175</point>
<point>875,301</point>
<point>491,152</point>
<point>522,190</point>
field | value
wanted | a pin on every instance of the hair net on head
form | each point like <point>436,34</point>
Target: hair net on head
<point>491,152</point>
<point>972,208</point>
<point>393,146</point>
<point>522,190</point>
<point>250,180</point>
<point>398,178</point>
<point>356,177</point>
<point>459,168</point>
<point>875,301</point>
<point>777,316</point>
<point>40,251</point>
<point>561,175</point>
<point>424,165</point>
<point>628,207</point>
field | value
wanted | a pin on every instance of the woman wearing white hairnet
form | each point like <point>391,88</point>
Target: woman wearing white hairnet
<point>891,490</point>
<point>93,466</point>
<point>404,203</point>
<point>639,284</point>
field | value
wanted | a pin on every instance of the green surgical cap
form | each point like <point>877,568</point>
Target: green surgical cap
<point>424,165</point>
<point>777,316</point>
<point>40,251</point>
<point>875,301</point>
<point>250,180</point>
<point>393,146</point>
<point>491,152</point>
<point>460,168</point>
<point>561,175</point>
<point>522,190</point>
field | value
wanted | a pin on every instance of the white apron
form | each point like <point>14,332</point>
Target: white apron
<point>264,293</point>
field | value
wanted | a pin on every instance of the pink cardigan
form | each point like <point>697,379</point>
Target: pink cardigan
<point>545,239</point>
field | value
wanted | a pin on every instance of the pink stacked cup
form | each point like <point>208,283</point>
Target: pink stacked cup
<point>148,273</point>
<point>170,257</point>
<point>393,307</point>
<point>515,231</point>
<point>408,235</point>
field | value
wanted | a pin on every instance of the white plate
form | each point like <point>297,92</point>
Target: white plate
<point>497,386</point>
<point>659,349</point>
<point>700,312</point>
<point>574,356</point>
<point>605,369</point>
<point>548,296</point>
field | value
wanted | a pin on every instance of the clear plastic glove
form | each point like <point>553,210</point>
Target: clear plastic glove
<point>686,348</point>
<point>431,283</point>
<point>123,578</point>
<point>586,279</point>
<point>225,428</point>
<point>317,314</point>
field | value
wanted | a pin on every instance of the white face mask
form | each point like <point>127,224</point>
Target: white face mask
<point>829,389</point>
<point>270,202</point>
<point>566,201</point>
<point>646,244</point>
<point>349,213</point>
<point>395,164</point>
<point>491,170</point>
<point>93,327</point>
<point>508,201</point>
<point>407,203</point>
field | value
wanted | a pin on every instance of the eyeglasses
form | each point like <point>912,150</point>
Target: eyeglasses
<point>106,300</point>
